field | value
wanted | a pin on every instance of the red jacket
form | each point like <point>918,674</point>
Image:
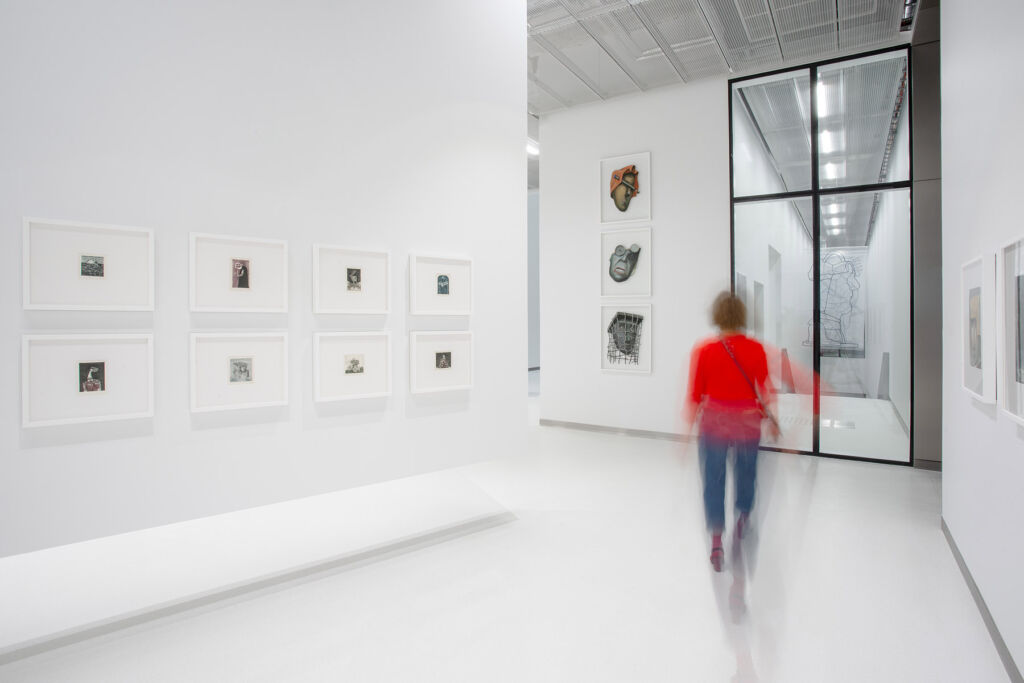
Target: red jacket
<point>718,389</point>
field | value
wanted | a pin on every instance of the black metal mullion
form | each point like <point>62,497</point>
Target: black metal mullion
<point>815,268</point>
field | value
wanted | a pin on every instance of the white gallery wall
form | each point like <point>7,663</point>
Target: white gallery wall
<point>533,275</point>
<point>982,449</point>
<point>686,130</point>
<point>274,119</point>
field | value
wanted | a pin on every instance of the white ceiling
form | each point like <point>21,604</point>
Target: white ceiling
<point>588,50</point>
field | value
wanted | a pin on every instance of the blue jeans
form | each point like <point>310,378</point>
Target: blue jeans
<point>714,453</point>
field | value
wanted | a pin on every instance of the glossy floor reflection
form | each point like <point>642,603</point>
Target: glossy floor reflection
<point>605,577</point>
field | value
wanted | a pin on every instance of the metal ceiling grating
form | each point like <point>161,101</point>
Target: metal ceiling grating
<point>780,110</point>
<point>577,50</point>
<point>553,77</point>
<point>746,31</point>
<point>866,23</point>
<point>806,27</point>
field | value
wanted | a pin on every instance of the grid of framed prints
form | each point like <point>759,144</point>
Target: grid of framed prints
<point>235,370</point>
<point>1011,337</point>
<point>440,361</point>
<point>231,274</point>
<point>351,365</point>
<point>350,281</point>
<point>78,378</point>
<point>625,183</point>
<point>626,338</point>
<point>87,267</point>
<point>976,319</point>
<point>440,285</point>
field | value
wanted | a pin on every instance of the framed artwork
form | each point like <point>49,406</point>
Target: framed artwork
<point>350,281</point>
<point>440,361</point>
<point>72,266</point>
<point>977,338</point>
<point>626,338</point>
<point>78,378</point>
<point>236,370</point>
<point>351,365</point>
<point>625,188</point>
<point>1011,334</point>
<point>625,262</point>
<point>440,285</point>
<point>237,274</point>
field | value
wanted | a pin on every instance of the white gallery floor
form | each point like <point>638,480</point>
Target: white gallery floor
<point>604,576</point>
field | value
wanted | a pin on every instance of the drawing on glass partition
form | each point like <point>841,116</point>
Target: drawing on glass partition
<point>624,333</point>
<point>240,273</point>
<point>240,370</point>
<point>842,315</point>
<point>622,262</point>
<point>91,266</point>
<point>92,377</point>
<point>354,279</point>
<point>974,330</point>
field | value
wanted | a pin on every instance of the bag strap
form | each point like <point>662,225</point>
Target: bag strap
<point>757,394</point>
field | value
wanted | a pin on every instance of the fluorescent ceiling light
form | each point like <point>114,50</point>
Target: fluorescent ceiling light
<point>835,208</point>
<point>835,231</point>
<point>830,142</point>
<point>835,221</point>
<point>532,148</point>
<point>835,170</point>
<point>822,91</point>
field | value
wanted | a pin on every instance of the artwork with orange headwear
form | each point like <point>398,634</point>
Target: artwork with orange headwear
<point>626,188</point>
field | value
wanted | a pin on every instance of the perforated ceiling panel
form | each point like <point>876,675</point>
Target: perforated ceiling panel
<point>585,50</point>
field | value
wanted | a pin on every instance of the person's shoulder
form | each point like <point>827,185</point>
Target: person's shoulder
<point>703,345</point>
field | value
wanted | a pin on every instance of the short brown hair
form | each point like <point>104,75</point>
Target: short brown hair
<point>728,312</point>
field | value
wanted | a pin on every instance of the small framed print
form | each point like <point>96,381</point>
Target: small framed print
<point>350,281</point>
<point>440,361</point>
<point>626,338</point>
<point>223,370</point>
<point>231,274</point>
<point>625,262</point>
<point>79,378</point>
<point>625,188</point>
<point>351,365</point>
<point>1011,332</point>
<point>977,337</point>
<point>440,285</point>
<point>72,266</point>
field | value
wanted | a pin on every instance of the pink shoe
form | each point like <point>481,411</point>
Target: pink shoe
<point>717,557</point>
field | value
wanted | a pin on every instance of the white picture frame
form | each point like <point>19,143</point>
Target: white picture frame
<point>638,283</point>
<point>639,206</point>
<point>425,285</point>
<point>213,385</point>
<point>333,294</point>
<point>54,254</point>
<point>977,338</point>
<point>1010,319</point>
<point>50,396</point>
<point>639,361</point>
<point>426,356</point>
<point>212,282</point>
<point>332,355</point>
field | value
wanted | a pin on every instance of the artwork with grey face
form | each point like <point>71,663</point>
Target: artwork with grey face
<point>442,284</point>
<point>1020,329</point>
<point>624,334</point>
<point>240,370</point>
<point>974,328</point>
<point>622,262</point>
<point>92,377</point>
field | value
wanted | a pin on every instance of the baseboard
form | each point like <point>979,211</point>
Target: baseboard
<point>642,433</point>
<point>986,615</point>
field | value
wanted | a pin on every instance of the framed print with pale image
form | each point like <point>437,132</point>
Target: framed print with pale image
<point>440,361</point>
<point>230,274</point>
<point>237,370</point>
<point>440,285</point>
<point>351,365</point>
<point>1011,335</point>
<point>977,315</point>
<point>350,281</point>
<point>74,266</point>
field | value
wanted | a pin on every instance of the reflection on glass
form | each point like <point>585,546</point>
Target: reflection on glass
<point>864,305</point>
<point>771,132</point>
<point>863,123</point>
<point>773,256</point>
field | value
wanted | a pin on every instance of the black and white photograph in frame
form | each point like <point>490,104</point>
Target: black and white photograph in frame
<point>236,274</point>
<point>625,262</point>
<point>977,328</point>
<point>440,361</point>
<point>222,370</point>
<point>626,338</point>
<point>625,188</point>
<point>80,378</point>
<point>350,280</point>
<point>1011,334</point>
<point>74,266</point>
<point>351,365</point>
<point>440,285</point>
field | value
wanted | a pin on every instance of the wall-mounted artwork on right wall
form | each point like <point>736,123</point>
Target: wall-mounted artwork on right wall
<point>1011,335</point>
<point>976,320</point>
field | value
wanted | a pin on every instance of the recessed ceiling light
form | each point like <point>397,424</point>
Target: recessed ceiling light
<point>822,91</point>
<point>835,231</point>
<point>834,170</point>
<point>830,141</point>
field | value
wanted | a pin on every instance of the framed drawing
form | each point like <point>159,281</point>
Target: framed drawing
<point>440,285</point>
<point>237,274</point>
<point>77,378</point>
<point>626,262</point>
<point>351,365</point>
<point>625,188</point>
<point>977,338</point>
<point>626,338</point>
<point>350,281</point>
<point>71,266</point>
<point>235,370</point>
<point>1011,335</point>
<point>440,361</point>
